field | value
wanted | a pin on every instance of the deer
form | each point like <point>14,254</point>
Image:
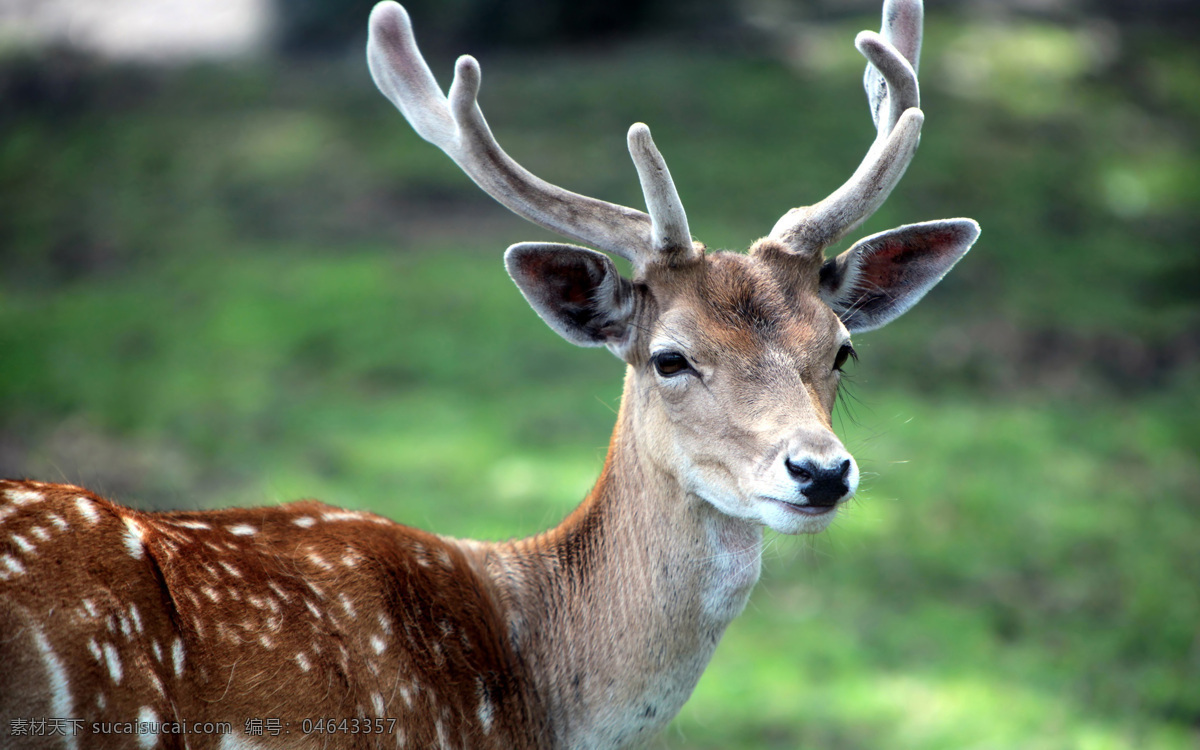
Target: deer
<point>304,625</point>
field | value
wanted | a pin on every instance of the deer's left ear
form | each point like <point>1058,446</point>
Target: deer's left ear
<point>885,274</point>
<point>577,291</point>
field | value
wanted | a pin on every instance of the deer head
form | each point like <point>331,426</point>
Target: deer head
<point>733,359</point>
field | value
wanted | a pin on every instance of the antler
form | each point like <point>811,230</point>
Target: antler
<point>456,125</point>
<point>894,98</point>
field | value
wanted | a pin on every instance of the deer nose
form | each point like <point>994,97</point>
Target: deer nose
<point>823,486</point>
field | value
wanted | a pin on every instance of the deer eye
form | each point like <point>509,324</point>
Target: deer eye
<point>670,364</point>
<point>845,353</point>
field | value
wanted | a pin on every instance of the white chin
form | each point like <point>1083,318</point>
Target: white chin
<point>795,519</point>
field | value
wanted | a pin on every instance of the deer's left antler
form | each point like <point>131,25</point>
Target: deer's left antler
<point>894,98</point>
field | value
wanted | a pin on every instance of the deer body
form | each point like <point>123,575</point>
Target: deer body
<point>590,635</point>
<point>296,612</point>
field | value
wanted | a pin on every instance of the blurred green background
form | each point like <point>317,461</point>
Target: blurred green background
<point>245,282</point>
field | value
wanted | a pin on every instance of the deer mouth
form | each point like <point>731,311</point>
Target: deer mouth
<point>807,510</point>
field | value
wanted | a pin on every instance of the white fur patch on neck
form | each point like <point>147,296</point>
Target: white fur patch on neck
<point>736,562</point>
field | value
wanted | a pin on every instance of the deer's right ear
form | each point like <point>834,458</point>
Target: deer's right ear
<point>578,292</point>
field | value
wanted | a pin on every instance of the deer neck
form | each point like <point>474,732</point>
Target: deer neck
<point>618,610</point>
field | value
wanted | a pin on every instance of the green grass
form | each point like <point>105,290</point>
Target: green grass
<point>246,286</point>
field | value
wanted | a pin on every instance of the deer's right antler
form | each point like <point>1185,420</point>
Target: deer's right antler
<point>456,125</point>
<point>894,98</point>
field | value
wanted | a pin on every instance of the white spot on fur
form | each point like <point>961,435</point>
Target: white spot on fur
<point>87,509</point>
<point>347,605</point>
<point>95,649</point>
<point>351,558</point>
<point>266,641</point>
<point>486,710</point>
<point>302,660</point>
<point>315,589</point>
<point>278,591</point>
<point>136,616</point>
<point>341,515</point>
<point>211,593</point>
<point>12,564</point>
<point>304,522</point>
<point>418,551</point>
<point>198,525</point>
<point>157,649</point>
<point>385,624</point>
<point>177,657</point>
<point>242,529</point>
<point>147,716</point>
<point>231,570</point>
<point>377,704</point>
<point>313,608</point>
<point>58,521</point>
<point>101,701</point>
<point>90,607</point>
<point>24,497</point>
<point>377,644</point>
<point>60,692</point>
<point>319,561</point>
<point>133,537</point>
<point>40,533</point>
<point>113,660</point>
<point>23,543</point>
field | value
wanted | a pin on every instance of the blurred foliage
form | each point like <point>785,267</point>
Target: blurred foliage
<point>243,285</point>
<point>323,27</point>
<point>309,27</point>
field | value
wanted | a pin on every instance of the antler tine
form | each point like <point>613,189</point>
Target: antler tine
<point>902,28</point>
<point>891,85</point>
<point>670,225</point>
<point>457,126</point>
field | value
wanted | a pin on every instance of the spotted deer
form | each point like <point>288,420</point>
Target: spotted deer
<point>304,625</point>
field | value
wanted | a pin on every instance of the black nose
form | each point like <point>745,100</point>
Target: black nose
<point>822,486</point>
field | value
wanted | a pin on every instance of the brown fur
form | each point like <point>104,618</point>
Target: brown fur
<point>354,616</point>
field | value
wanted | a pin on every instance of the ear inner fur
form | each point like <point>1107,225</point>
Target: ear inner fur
<point>884,275</point>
